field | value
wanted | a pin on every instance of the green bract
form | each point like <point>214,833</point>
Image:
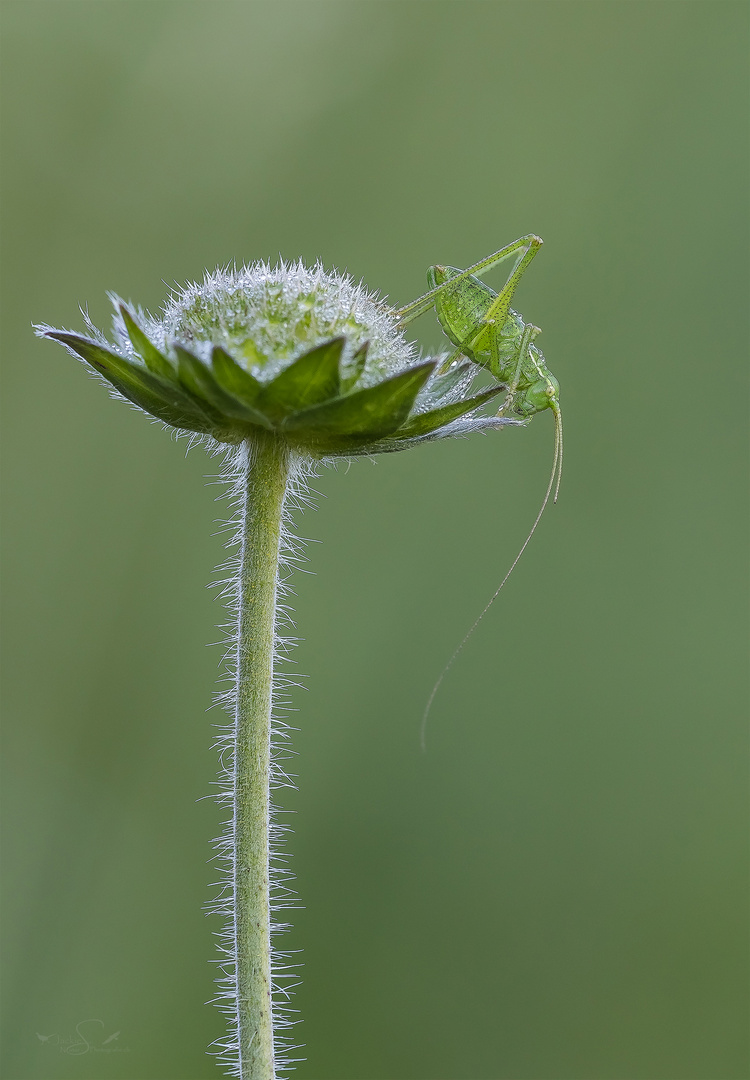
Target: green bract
<point>300,352</point>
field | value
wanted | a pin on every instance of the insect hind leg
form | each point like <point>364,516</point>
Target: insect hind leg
<point>498,310</point>
<point>528,246</point>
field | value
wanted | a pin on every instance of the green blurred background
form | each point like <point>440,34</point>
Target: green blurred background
<point>557,888</point>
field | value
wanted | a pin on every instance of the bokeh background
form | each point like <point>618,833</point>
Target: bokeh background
<point>557,889</point>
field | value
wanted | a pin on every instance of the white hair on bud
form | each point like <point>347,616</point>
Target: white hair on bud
<point>284,310</point>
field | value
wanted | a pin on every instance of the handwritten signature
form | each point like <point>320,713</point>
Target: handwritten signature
<point>88,1042</point>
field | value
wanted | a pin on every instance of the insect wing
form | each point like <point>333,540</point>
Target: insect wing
<point>461,309</point>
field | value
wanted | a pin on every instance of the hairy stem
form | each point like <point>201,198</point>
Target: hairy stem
<point>265,483</point>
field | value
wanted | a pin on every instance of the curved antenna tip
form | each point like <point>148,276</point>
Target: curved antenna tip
<point>555,475</point>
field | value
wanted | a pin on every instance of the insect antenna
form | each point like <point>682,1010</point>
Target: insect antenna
<point>558,447</point>
<point>554,476</point>
<point>554,404</point>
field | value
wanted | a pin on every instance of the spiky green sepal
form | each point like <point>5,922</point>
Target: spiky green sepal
<point>248,352</point>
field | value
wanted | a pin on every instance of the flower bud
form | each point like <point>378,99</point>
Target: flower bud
<point>300,352</point>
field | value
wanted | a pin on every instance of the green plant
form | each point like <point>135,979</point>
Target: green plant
<point>279,368</point>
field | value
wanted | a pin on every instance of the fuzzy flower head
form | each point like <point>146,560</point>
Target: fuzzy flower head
<point>297,351</point>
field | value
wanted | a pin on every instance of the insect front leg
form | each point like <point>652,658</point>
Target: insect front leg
<point>529,333</point>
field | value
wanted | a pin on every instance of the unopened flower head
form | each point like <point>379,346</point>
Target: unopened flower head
<point>298,351</point>
<point>284,311</point>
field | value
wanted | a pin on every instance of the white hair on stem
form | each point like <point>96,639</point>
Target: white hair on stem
<point>284,976</point>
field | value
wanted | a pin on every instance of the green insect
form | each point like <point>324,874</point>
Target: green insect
<point>486,330</point>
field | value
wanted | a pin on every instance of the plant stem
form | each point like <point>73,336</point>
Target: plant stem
<point>264,483</point>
